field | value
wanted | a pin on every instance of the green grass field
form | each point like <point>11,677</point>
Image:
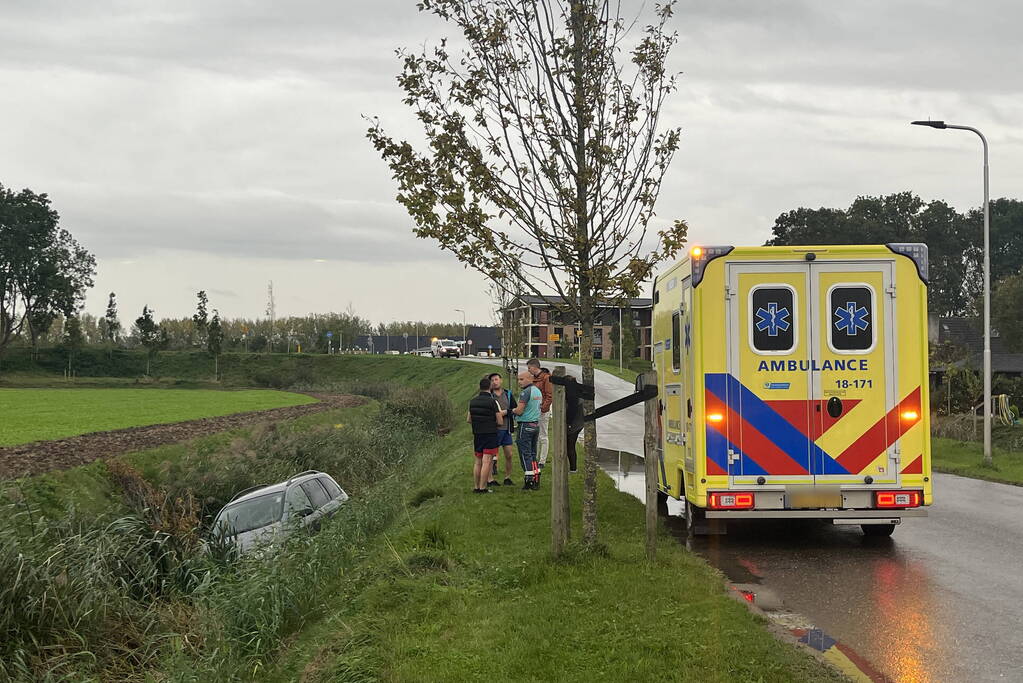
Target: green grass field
<point>43,414</point>
<point>967,460</point>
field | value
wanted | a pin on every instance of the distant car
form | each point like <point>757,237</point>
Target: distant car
<point>265,514</point>
<point>445,348</point>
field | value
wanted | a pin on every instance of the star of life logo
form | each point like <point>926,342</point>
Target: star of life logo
<point>773,319</point>
<point>851,318</point>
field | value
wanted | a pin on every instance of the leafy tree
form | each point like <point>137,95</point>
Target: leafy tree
<point>200,319</point>
<point>43,270</point>
<point>627,348</point>
<point>150,335</point>
<point>73,340</point>
<point>215,341</point>
<point>1006,238</point>
<point>111,324</point>
<point>542,143</point>
<point>1007,312</point>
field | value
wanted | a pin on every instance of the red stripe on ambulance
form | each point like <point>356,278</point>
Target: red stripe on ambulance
<point>755,445</point>
<point>882,435</point>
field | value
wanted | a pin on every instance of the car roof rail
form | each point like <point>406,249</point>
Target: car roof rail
<point>247,491</point>
<point>302,474</point>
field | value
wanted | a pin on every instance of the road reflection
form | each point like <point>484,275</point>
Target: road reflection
<point>878,601</point>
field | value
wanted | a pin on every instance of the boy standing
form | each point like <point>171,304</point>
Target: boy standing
<point>504,438</point>
<point>527,422</point>
<point>485,416</point>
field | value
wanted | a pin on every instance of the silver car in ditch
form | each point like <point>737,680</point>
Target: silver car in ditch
<point>262,515</point>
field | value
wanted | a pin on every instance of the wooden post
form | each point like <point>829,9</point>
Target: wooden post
<point>650,466</point>
<point>559,468</point>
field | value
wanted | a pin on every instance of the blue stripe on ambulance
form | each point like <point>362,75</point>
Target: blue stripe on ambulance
<point>717,450</point>
<point>772,425</point>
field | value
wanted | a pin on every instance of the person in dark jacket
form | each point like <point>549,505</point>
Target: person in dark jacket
<point>485,416</point>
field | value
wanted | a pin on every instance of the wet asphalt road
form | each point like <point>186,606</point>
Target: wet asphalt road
<point>942,600</point>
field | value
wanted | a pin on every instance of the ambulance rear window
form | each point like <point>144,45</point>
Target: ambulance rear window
<point>773,323</point>
<point>852,318</point>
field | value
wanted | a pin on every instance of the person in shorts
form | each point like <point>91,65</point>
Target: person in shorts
<point>506,401</point>
<point>485,417</point>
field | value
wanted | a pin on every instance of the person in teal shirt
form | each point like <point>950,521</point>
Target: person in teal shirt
<point>527,419</point>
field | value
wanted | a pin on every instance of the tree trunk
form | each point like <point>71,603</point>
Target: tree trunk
<point>583,265</point>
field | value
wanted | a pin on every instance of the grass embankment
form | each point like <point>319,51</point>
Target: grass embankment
<point>44,414</point>
<point>967,460</point>
<point>464,588</point>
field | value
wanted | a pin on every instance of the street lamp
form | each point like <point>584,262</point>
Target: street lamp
<point>459,310</point>
<point>987,283</point>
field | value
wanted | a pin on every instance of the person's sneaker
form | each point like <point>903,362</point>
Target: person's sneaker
<point>527,486</point>
<point>493,482</point>
<point>485,491</point>
<point>508,481</point>
<point>536,486</point>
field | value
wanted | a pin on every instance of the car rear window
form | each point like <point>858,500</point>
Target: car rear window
<point>332,489</point>
<point>317,494</point>
<point>254,513</point>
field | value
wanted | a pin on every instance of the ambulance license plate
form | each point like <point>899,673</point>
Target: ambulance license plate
<point>813,497</point>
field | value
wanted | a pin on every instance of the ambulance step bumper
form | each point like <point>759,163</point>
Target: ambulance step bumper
<point>840,516</point>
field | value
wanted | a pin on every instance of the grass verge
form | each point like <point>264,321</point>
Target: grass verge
<point>967,460</point>
<point>44,414</point>
<point>464,588</point>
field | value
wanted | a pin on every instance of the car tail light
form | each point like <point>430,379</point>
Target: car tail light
<point>898,499</point>
<point>728,500</point>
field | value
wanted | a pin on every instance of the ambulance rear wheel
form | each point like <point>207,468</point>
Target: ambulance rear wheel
<point>696,520</point>
<point>877,530</point>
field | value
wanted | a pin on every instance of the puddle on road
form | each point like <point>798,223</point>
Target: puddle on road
<point>804,557</point>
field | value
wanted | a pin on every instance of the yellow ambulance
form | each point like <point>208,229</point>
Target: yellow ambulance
<point>793,384</point>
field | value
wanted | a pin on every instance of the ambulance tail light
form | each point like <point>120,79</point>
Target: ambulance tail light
<point>715,417</point>
<point>730,500</point>
<point>701,256</point>
<point>898,499</point>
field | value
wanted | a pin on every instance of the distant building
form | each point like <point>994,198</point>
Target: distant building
<point>967,333</point>
<point>535,326</point>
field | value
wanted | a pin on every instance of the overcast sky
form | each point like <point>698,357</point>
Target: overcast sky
<point>219,145</point>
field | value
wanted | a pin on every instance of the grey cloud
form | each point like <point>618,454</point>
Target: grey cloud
<point>250,224</point>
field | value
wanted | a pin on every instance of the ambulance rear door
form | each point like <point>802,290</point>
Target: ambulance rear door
<point>855,419</point>
<point>758,413</point>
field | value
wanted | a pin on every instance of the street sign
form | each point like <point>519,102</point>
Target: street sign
<point>554,337</point>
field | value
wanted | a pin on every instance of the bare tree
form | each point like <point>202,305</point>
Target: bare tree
<point>543,139</point>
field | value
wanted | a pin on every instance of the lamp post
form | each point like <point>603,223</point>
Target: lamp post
<point>459,310</point>
<point>987,282</point>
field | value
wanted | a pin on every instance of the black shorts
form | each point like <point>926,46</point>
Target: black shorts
<point>484,444</point>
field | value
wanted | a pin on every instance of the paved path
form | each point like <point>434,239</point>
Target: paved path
<point>940,601</point>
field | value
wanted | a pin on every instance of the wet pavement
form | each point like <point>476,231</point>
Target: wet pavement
<point>942,600</point>
<point>939,601</point>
